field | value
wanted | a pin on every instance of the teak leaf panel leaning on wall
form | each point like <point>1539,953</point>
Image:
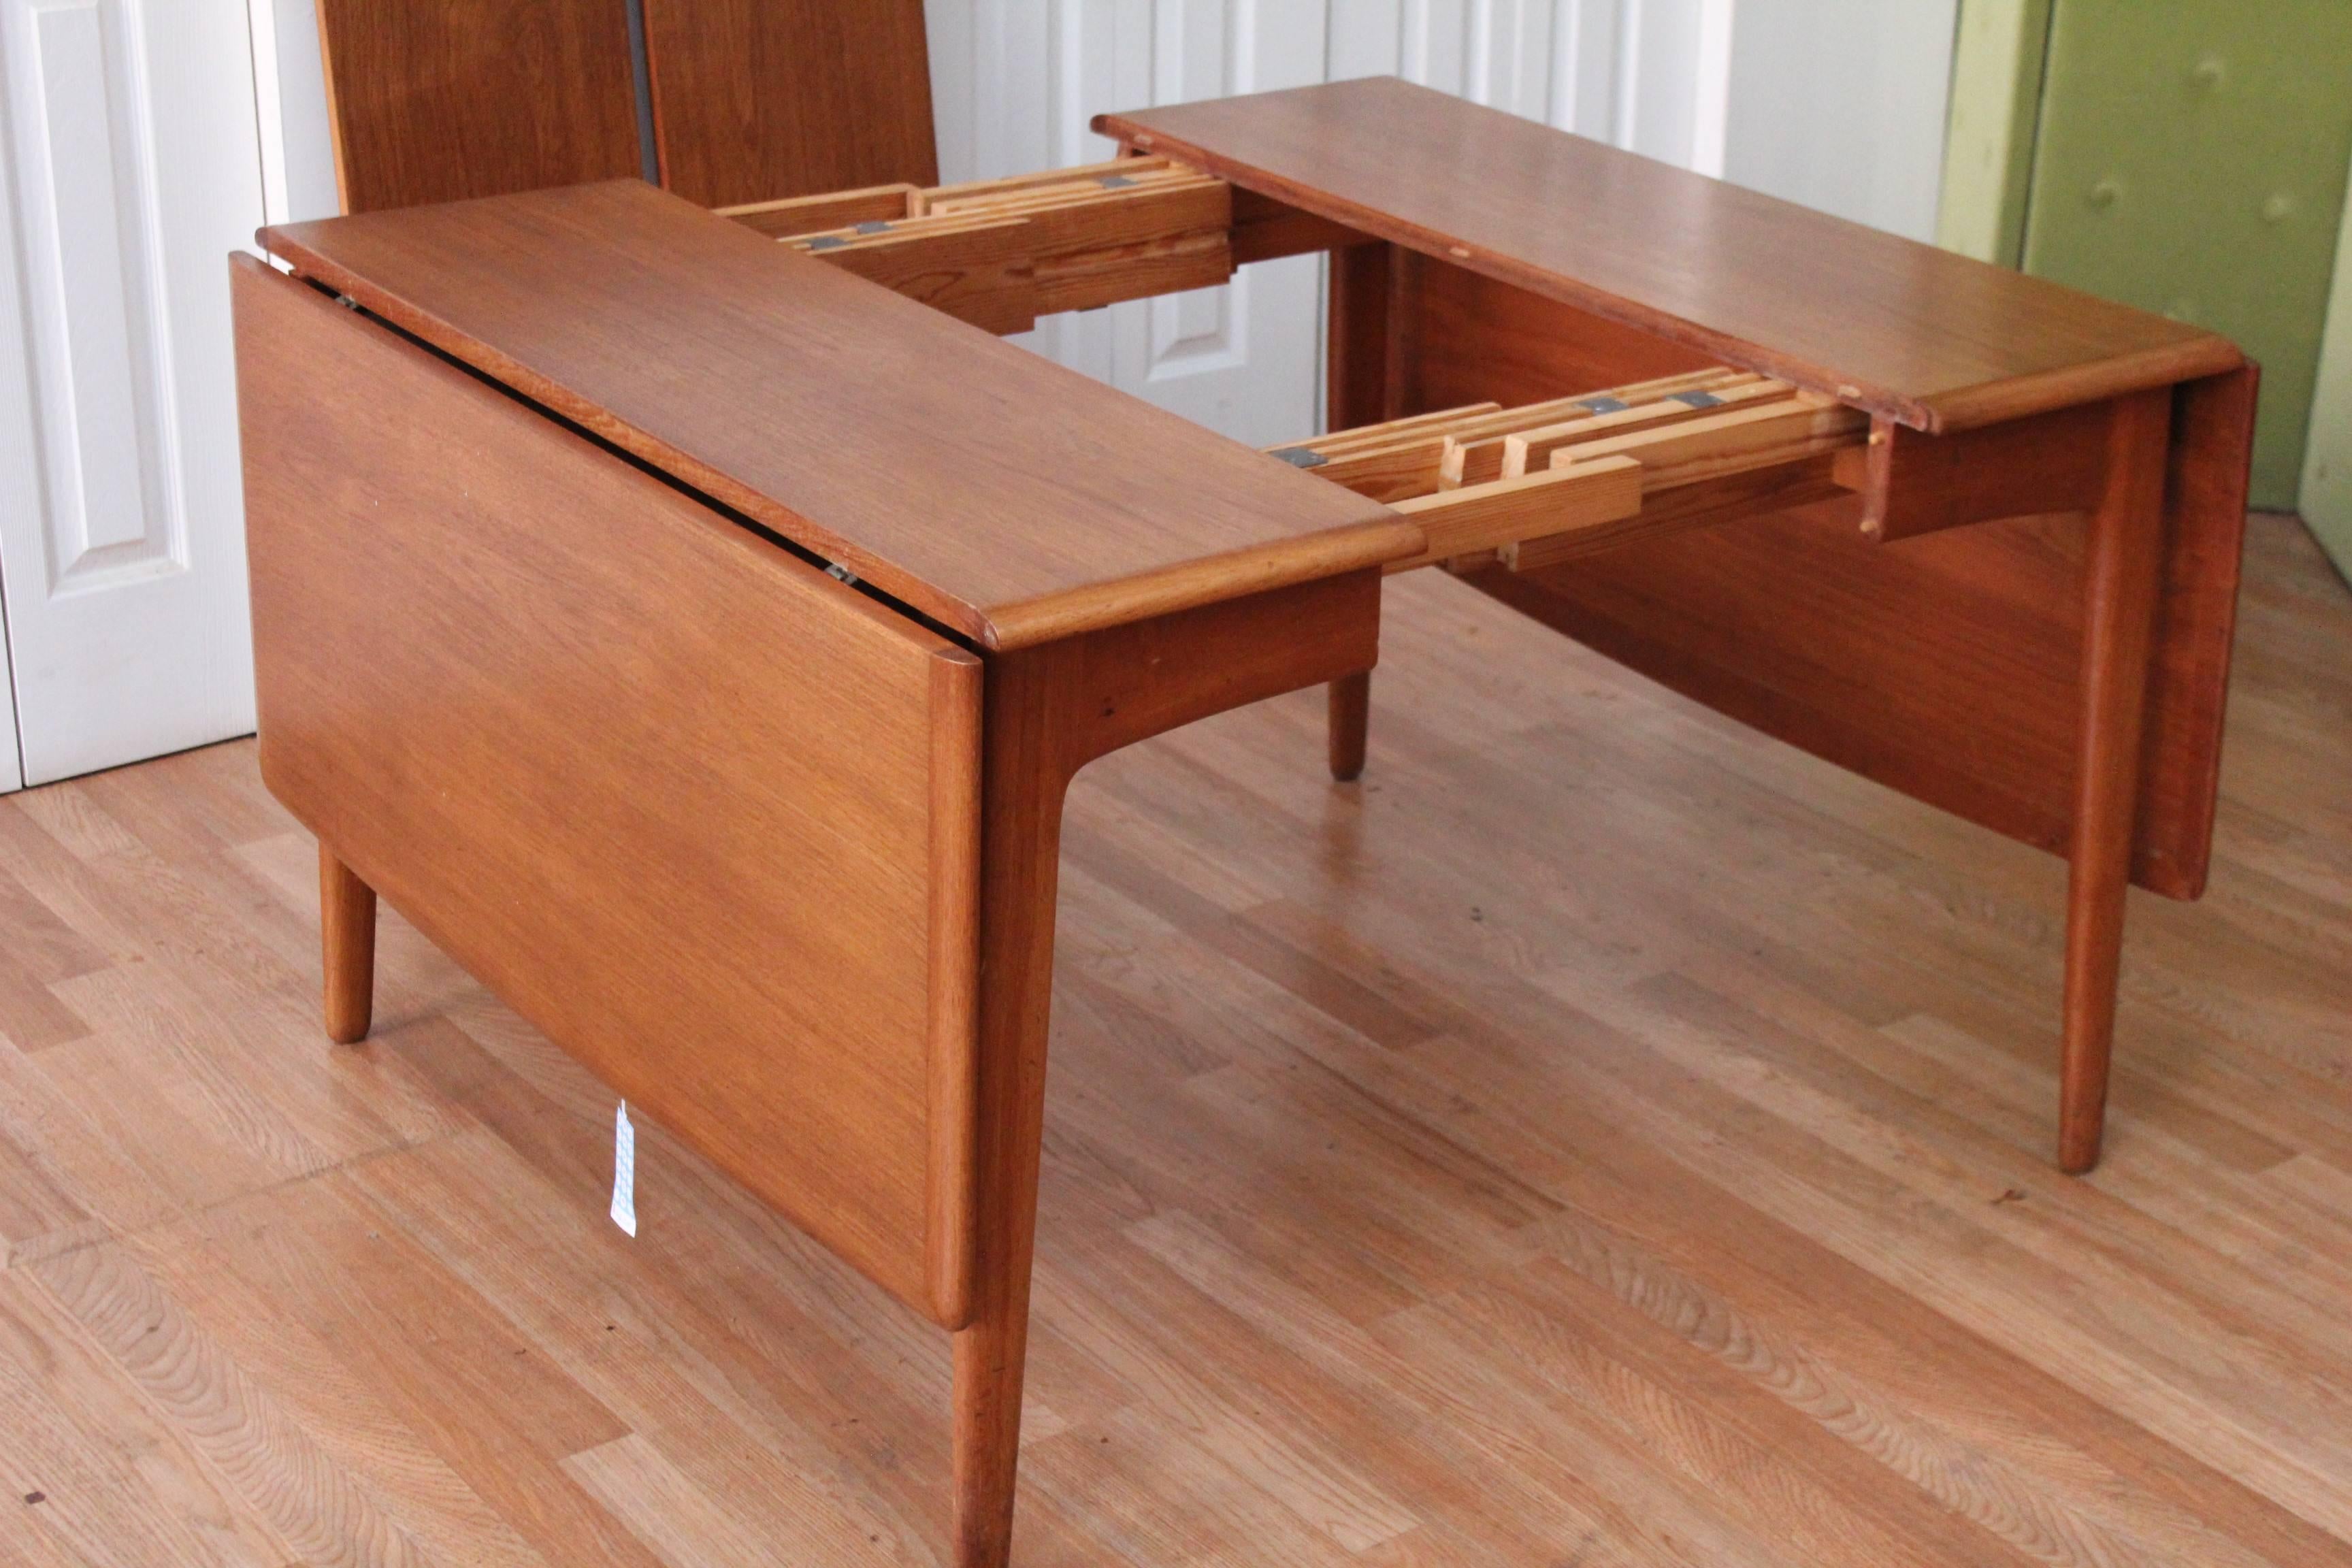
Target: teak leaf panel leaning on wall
<point>751,100</point>
<point>755,100</point>
<point>435,103</point>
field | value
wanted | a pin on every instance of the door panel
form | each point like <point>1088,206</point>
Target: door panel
<point>133,171</point>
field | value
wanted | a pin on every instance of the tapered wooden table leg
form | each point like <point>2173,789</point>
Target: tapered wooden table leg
<point>2121,568</point>
<point>1025,775</point>
<point>1352,719</point>
<point>347,935</point>
<point>1050,710</point>
<point>1358,389</point>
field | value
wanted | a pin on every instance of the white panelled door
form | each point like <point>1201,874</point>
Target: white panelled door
<point>132,171</point>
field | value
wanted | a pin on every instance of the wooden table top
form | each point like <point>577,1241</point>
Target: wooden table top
<point>1928,339</point>
<point>1009,499</point>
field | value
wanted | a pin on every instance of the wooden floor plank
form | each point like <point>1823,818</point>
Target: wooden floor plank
<point>94,1473</point>
<point>401,1330</point>
<point>293,1476</point>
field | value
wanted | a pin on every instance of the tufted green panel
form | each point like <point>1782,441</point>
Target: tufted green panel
<point>2191,160</point>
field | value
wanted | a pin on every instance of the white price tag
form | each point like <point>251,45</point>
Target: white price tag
<point>624,1171</point>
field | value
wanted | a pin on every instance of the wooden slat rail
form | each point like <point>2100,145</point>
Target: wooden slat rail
<point>831,210</point>
<point>1531,451</point>
<point>1405,458</point>
<point>1544,482</point>
<point>1001,253</point>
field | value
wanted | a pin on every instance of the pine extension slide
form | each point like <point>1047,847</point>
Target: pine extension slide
<point>691,618</point>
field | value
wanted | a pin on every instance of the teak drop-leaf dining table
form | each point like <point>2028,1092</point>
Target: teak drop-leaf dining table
<point>692,621</point>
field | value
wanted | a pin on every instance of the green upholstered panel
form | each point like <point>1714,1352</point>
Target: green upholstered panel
<point>2191,160</point>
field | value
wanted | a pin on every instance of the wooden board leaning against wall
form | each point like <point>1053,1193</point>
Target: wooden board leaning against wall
<point>747,100</point>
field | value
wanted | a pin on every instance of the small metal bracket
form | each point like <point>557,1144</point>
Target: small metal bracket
<point>841,573</point>
<point>1114,182</point>
<point>874,226</point>
<point>1695,399</point>
<point>1604,404</point>
<point>827,242</point>
<point>1300,456</point>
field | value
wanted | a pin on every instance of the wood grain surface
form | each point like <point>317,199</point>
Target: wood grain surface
<point>759,100</point>
<point>1924,337</point>
<point>1603,1137</point>
<point>473,98</point>
<point>346,949</point>
<point>703,814</point>
<point>1002,495</point>
<point>1913,484</point>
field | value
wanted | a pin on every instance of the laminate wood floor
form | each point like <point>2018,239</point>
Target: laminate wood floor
<point>1601,1137</point>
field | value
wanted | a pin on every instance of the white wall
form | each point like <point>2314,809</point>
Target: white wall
<point>1015,83</point>
<point>1841,104</point>
<point>298,155</point>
